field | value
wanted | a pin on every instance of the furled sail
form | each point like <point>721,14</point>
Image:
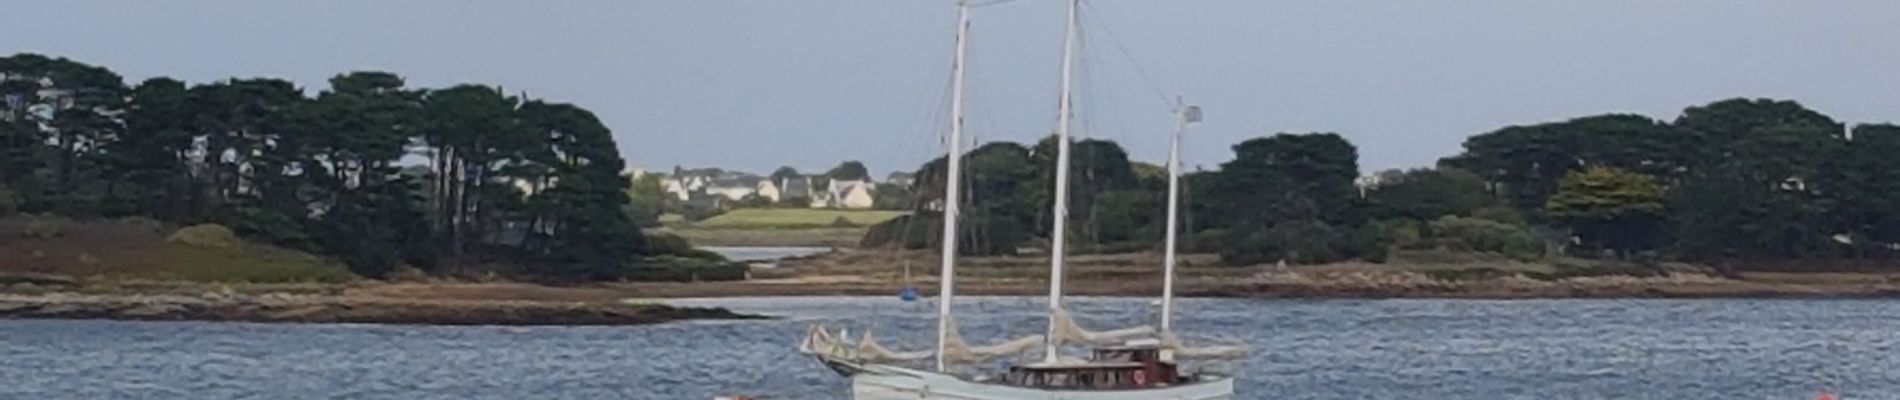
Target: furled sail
<point>955,349</point>
<point>818,341</point>
<point>1181,351</point>
<point>1068,331</point>
<point>870,350</point>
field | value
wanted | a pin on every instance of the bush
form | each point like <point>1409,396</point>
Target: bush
<point>9,203</point>
<point>142,224</point>
<point>1298,242</point>
<point>1403,233</point>
<point>268,225</point>
<point>245,263</point>
<point>916,231</point>
<point>842,222</point>
<point>1500,214</point>
<point>681,269</point>
<point>1115,248</point>
<point>667,244</point>
<point>1480,235</point>
<point>696,214</point>
<point>209,236</point>
<point>1371,242</point>
<point>44,227</point>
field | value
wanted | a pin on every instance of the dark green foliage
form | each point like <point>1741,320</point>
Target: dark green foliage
<point>1471,234</point>
<point>782,174</point>
<point>894,197</point>
<point>667,244</point>
<point>646,199</point>
<point>1287,197</point>
<point>666,268</point>
<point>507,179</point>
<point>998,206</point>
<point>8,202</point>
<point>915,231</point>
<point>1525,163</point>
<point>1610,208</point>
<point>847,171</point>
<point>1426,194</point>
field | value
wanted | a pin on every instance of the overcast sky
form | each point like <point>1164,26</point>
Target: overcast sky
<point>755,84</point>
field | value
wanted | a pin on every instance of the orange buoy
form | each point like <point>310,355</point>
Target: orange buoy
<point>1824,396</point>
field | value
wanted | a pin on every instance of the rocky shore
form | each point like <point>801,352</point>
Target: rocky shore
<point>294,308</point>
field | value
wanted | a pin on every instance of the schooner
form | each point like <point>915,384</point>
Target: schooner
<point>1117,367</point>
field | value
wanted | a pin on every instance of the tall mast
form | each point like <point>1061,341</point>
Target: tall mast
<point>1183,115</point>
<point>1065,110</point>
<point>952,182</point>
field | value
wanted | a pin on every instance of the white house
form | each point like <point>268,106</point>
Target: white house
<point>736,188</point>
<point>852,194</point>
<point>768,190</point>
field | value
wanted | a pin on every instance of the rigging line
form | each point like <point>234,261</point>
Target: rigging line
<point>1103,96</point>
<point>1123,49</point>
<point>992,3</point>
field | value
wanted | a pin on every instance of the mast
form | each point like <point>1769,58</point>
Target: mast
<point>1065,109</point>
<point>952,183</point>
<point>1183,115</point>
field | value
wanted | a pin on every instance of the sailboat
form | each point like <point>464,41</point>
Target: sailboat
<point>1117,368</point>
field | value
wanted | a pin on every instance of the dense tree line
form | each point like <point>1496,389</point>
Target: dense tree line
<point>1735,181</point>
<point>369,171</point>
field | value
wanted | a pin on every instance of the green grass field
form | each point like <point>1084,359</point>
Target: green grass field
<point>793,218</point>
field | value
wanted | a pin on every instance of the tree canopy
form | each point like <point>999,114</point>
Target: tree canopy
<point>506,178</point>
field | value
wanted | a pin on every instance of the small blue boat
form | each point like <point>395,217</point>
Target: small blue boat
<point>908,294</point>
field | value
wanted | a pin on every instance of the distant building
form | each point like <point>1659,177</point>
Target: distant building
<point>735,187</point>
<point>852,194</point>
<point>795,188</point>
<point>768,190</point>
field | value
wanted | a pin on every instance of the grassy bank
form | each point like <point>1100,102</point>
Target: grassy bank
<point>781,227</point>
<point>144,249</point>
<point>795,218</point>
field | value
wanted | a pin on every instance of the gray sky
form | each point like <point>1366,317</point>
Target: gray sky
<point>759,83</point>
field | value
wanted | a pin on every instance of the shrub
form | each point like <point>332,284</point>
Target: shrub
<point>1371,242</point>
<point>44,227</point>
<point>1500,214</point>
<point>667,244</point>
<point>1298,242</point>
<point>209,236</point>
<point>1404,233</point>
<point>842,222</point>
<point>916,231</point>
<point>269,226</point>
<point>1115,248</point>
<point>142,224</point>
<point>681,269</point>
<point>9,203</point>
<point>1472,234</point>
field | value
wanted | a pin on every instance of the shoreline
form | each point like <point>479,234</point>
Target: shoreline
<point>1475,291</point>
<point>880,273</point>
<point>282,307</point>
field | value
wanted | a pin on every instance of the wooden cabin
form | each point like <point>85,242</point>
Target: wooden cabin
<point>1119,367</point>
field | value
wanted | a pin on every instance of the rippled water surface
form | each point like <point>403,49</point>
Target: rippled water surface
<point>1334,349</point>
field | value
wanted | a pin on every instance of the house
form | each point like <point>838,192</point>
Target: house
<point>852,194</point>
<point>820,199</point>
<point>857,197</point>
<point>685,182</point>
<point>768,190</point>
<point>735,187</point>
<point>795,188</point>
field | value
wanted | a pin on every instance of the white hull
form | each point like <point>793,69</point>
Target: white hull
<point>881,382</point>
